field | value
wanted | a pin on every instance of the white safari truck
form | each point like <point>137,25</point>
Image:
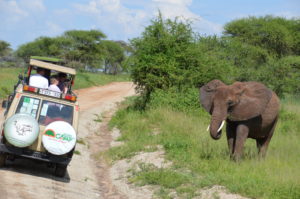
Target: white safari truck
<point>39,123</point>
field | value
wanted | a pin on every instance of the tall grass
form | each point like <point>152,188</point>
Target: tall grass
<point>9,77</point>
<point>189,146</point>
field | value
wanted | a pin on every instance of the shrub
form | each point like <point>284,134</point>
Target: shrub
<point>282,75</point>
<point>184,100</point>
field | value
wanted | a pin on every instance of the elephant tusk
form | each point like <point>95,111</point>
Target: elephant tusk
<point>221,126</point>
<point>208,128</point>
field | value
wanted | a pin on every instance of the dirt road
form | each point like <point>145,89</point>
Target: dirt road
<point>86,178</point>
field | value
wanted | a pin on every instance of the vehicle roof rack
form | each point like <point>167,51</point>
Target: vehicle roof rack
<point>48,59</point>
<point>51,66</point>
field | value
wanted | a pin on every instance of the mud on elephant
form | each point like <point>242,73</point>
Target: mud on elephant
<point>249,108</point>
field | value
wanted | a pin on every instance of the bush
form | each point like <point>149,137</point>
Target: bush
<point>282,75</point>
<point>168,55</point>
<point>184,100</point>
<point>162,55</point>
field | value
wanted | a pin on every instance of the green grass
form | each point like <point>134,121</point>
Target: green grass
<point>168,179</point>
<point>9,77</point>
<point>189,147</point>
<point>87,79</point>
<point>80,141</point>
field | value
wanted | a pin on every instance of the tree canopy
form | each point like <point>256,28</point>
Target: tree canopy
<point>79,48</point>
<point>4,48</point>
<point>278,35</point>
<point>168,54</point>
<point>114,56</point>
<point>84,46</point>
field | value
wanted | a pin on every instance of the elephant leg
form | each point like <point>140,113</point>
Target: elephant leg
<point>230,133</point>
<point>242,132</point>
<point>262,144</point>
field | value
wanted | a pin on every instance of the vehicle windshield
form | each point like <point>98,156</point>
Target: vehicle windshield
<point>49,111</point>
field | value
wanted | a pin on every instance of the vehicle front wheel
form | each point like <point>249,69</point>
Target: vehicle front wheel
<point>3,158</point>
<point>60,170</point>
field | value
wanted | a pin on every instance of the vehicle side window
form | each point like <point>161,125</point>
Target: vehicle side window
<point>28,105</point>
<point>51,112</point>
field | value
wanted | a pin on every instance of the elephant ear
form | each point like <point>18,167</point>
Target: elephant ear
<point>253,99</point>
<point>207,93</point>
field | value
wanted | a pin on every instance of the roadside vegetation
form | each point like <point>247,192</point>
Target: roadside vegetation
<point>169,64</point>
<point>8,78</point>
<point>199,161</point>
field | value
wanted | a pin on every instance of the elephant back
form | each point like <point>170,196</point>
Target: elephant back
<point>254,99</point>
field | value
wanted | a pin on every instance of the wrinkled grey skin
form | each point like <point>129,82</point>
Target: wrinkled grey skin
<point>249,108</point>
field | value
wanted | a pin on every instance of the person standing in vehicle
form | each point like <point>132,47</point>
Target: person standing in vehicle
<point>53,84</point>
<point>61,78</point>
<point>38,80</point>
<point>62,85</point>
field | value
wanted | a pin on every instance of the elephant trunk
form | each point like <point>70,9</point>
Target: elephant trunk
<point>216,124</point>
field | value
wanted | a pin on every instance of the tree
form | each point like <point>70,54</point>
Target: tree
<point>266,49</point>
<point>168,55</point>
<point>75,46</point>
<point>114,56</point>
<point>243,59</point>
<point>282,75</point>
<point>42,46</point>
<point>159,54</point>
<point>4,48</point>
<point>276,34</point>
<point>84,46</point>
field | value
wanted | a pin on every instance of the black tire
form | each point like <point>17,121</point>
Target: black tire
<point>3,158</point>
<point>60,170</point>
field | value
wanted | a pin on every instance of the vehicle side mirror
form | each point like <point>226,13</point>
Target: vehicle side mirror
<point>4,104</point>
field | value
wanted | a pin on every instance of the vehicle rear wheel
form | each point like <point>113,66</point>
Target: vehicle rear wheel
<point>3,158</point>
<point>60,170</point>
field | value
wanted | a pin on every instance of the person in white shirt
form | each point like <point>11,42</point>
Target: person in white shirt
<point>38,80</point>
<point>54,82</point>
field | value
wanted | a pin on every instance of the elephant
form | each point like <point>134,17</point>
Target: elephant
<point>250,109</point>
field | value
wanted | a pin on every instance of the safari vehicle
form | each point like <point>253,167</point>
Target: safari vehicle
<point>39,123</point>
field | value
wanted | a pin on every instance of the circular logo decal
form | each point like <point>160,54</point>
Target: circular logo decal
<point>59,138</point>
<point>21,130</point>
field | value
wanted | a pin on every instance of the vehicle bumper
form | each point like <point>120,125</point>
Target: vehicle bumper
<point>23,152</point>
